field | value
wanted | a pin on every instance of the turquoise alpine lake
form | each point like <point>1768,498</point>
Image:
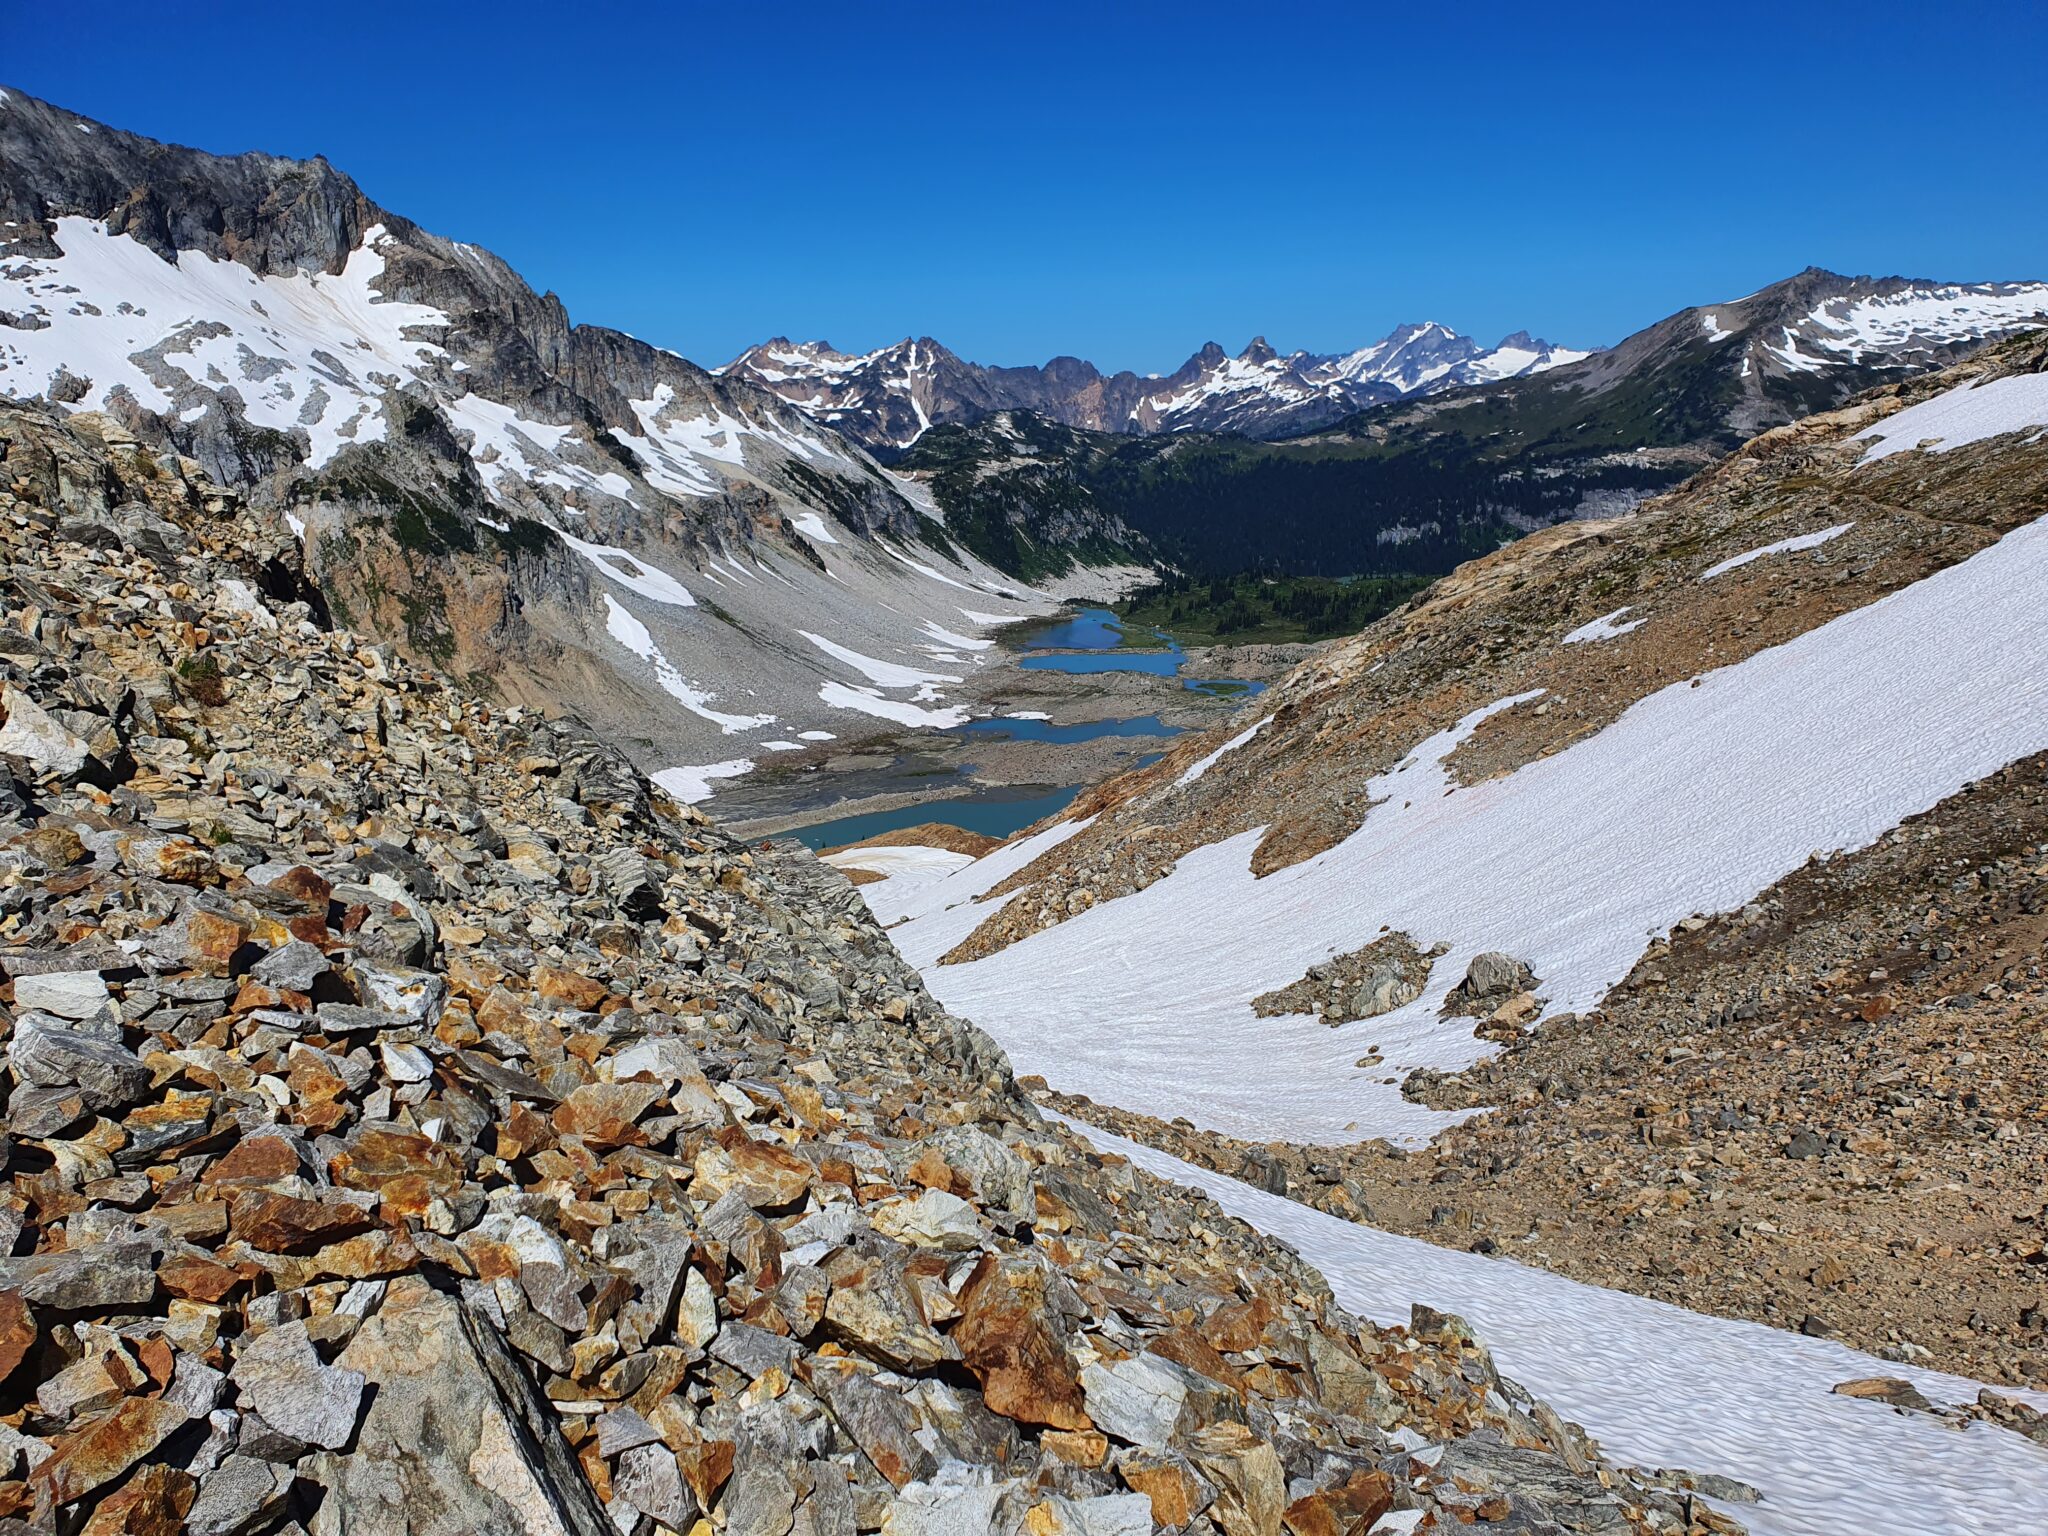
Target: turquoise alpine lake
<point>991,812</point>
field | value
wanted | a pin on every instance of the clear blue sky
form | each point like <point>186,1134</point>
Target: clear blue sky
<point>1120,182</point>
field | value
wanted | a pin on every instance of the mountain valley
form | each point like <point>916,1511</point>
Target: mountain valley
<point>1363,943</point>
<point>1710,985</point>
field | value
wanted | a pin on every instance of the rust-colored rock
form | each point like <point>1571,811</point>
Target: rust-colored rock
<point>196,1279</point>
<point>211,941</point>
<point>707,1467</point>
<point>1010,1341</point>
<point>255,1161</point>
<point>99,1453</point>
<point>377,1159</point>
<point>305,885</point>
<point>602,1114</point>
<point>523,1132</point>
<point>767,1175</point>
<point>186,1113</point>
<point>1185,1347</point>
<point>182,861</point>
<point>1077,1448</point>
<point>255,994</point>
<point>1353,1506</point>
<point>154,1502</point>
<point>1177,1492</point>
<point>285,1224</point>
<point>368,1255</point>
<point>579,992</point>
<point>17,1332</point>
<point>1239,1327</point>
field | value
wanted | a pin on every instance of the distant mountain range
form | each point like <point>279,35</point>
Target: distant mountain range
<point>887,399</point>
<point>558,510</point>
<point>1449,472</point>
<point>1786,348</point>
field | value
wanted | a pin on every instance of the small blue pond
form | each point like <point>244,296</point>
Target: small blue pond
<point>1110,647</point>
<point>1090,629</point>
<point>991,812</point>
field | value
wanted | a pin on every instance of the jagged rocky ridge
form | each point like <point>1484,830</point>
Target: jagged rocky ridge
<point>889,398</point>
<point>544,509</point>
<point>417,1123</point>
<point>1729,370</point>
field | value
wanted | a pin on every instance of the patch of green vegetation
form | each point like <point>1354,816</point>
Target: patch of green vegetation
<point>933,535</point>
<point>418,521</point>
<point>1247,609</point>
<point>426,623</point>
<point>203,680</point>
<point>1031,497</point>
<point>1015,494</point>
<point>718,611</point>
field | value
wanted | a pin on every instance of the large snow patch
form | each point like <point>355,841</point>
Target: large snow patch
<point>1697,798</point>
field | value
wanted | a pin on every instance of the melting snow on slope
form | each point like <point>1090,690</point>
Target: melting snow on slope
<point>888,674</point>
<point>1662,1387</point>
<point>812,526</point>
<point>911,868</point>
<point>631,572</point>
<point>306,351</point>
<point>958,642</point>
<point>1607,626</point>
<point>1962,415</point>
<point>1956,312</point>
<point>1711,324</point>
<point>633,635</point>
<point>1201,766</point>
<point>869,701</point>
<point>957,894</point>
<point>925,570</point>
<point>1791,546</point>
<point>692,784</point>
<point>1693,801</point>
<point>501,442</point>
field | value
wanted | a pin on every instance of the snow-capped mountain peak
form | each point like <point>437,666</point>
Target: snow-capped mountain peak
<point>888,398</point>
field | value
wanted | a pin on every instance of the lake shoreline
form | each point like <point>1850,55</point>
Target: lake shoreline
<point>999,758</point>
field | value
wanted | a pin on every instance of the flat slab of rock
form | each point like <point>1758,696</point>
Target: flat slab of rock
<point>68,994</point>
<point>455,1442</point>
<point>280,1374</point>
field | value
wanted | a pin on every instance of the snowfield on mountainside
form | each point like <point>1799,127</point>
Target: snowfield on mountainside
<point>1659,1386</point>
<point>1699,796</point>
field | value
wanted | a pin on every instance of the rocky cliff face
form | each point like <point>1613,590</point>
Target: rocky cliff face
<point>472,477</point>
<point>415,1122</point>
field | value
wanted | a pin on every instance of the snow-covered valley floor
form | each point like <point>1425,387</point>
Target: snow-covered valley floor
<point>1659,1386</point>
